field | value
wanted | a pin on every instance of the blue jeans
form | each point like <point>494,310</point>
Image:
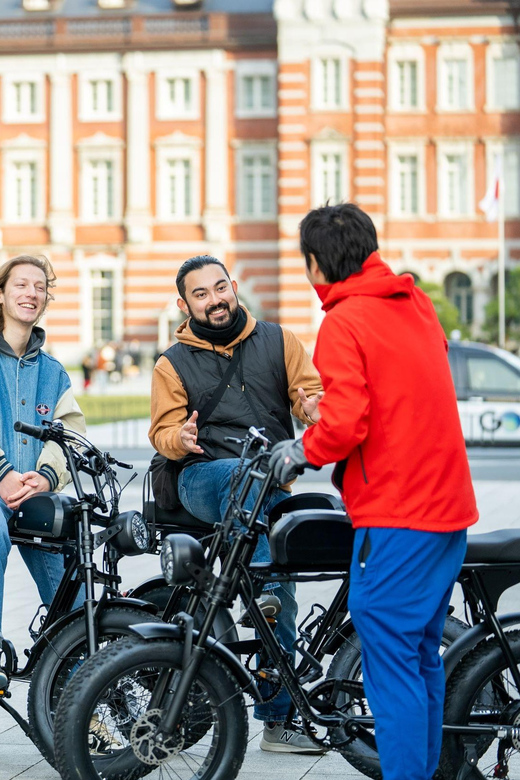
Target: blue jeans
<point>46,568</point>
<point>204,491</point>
<point>398,602</point>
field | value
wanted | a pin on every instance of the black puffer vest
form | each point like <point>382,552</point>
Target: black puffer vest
<point>257,394</point>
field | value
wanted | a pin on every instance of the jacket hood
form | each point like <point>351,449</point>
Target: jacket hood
<point>35,343</point>
<point>375,279</point>
<point>185,335</point>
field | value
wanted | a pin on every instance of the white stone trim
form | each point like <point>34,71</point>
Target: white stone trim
<point>176,148</point>
<point>21,150</point>
<point>328,147</point>
<point>266,68</point>
<point>165,108</point>
<point>458,50</point>
<point>24,77</point>
<point>405,52</point>
<point>464,148</point>
<point>103,148</point>
<point>409,149</point>
<point>103,76</point>
<point>497,49</point>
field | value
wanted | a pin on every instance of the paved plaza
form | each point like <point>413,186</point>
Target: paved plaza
<point>499,504</point>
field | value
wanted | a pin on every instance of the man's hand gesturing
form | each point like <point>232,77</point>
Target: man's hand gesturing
<point>189,433</point>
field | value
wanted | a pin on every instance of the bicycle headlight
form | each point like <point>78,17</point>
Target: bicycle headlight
<point>133,537</point>
<point>177,550</point>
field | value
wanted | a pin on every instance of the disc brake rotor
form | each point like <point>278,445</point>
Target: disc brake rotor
<point>146,742</point>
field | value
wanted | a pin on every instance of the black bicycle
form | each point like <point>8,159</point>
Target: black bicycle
<point>62,637</point>
<point>173,697</point>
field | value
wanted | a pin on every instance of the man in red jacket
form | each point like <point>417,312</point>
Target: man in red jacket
<point>389,420</point>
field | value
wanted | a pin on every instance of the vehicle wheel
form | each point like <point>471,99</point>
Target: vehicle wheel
<point>481,689</point>
<point>346,665</point>
<point>114,690</point>
<point>61,658</point>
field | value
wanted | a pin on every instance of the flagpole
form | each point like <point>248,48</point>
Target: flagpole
<point>501,259</point>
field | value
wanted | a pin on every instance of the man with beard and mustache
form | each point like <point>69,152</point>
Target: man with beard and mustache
<point>274,378</point>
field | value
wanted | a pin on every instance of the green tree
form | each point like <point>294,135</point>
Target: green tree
<point>447,312</point>
<point>512,309</point>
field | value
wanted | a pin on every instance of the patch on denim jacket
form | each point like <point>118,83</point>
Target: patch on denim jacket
<point>43,409</point>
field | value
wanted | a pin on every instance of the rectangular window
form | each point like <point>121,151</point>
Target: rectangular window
<point>407,96</point>
<point>101,93</point>
<point>258,186</point>
<point>25,205</point>
<point>505,82</point>
<point>330,178</point>
<point>456,83</point>
<point>24,98</point>
<point>179,188</point>
<point>511,167</point>
<point>102,306</point>
<point>256,94</point>
<point>330,82</point>
<point>455,185</point>
<point>180,95</point>
<point>100,189</point>
<point>407,184</point>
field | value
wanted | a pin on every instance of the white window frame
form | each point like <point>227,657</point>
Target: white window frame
<point>99,148</point>
<point>31,151</point>
<point>464,53</point>
<point>165,108</point>
<point>255,69</point>
<point>243,151</point>
<point>497,51</point>
<point>177,147</point>
<point>86,266</point>
<point>465,150</point>
<point>318,150</point>
<point>87,112</point>
<point>318,101</point>
<point>500,147</point>
<point>397,150</point>
<point>10,115</point>
<point>410,52</point>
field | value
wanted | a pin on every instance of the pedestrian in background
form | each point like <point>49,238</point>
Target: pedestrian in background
<point>389,420</point>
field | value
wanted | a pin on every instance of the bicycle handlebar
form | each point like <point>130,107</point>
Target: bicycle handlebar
<point>32,430</point>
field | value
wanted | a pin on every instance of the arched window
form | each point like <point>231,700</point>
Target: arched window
<point>459,291</point>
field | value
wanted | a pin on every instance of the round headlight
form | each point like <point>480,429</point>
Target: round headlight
<point>180,555</point>
<point>167,560</point>
<point>132,535</point>
<point>140,532</point>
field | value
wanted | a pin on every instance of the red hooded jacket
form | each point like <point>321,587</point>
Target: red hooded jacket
<point>390,405</point>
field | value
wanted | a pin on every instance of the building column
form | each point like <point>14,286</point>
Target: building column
<point>61,216</point>
<point>138,217</point>
<point>215,217</point>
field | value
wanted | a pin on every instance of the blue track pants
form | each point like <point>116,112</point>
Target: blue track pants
<point>398,602</point>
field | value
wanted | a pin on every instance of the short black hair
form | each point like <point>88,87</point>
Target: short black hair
<point>193,264</point>
<point>340,238</point>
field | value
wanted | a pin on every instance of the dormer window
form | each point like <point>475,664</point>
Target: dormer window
<point>112,4</point>
<point>37,5</point>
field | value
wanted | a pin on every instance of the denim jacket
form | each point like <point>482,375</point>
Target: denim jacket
<point>34,388</point>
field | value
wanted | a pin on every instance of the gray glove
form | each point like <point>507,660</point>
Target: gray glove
<point>287,460</point>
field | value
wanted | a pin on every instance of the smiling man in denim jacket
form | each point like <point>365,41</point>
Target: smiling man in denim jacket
<point>33,387</point>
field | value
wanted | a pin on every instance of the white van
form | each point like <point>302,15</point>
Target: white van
<point>487,381</point>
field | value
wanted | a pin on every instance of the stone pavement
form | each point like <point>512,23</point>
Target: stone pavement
<point>499,504</point>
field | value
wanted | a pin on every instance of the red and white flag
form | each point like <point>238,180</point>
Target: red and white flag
<point>490,202</point>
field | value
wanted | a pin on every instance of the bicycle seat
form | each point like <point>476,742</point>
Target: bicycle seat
<point>175,520</point>
<point>495,547</point>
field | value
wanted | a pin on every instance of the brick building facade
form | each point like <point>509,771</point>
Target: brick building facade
<point>136,134</point>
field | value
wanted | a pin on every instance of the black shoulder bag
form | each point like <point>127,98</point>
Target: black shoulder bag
<point>165,472</point>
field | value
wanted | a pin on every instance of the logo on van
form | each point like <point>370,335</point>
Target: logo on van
<point>490,422</point>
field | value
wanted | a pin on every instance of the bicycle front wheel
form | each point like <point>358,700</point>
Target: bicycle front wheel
<point>106,724</point>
